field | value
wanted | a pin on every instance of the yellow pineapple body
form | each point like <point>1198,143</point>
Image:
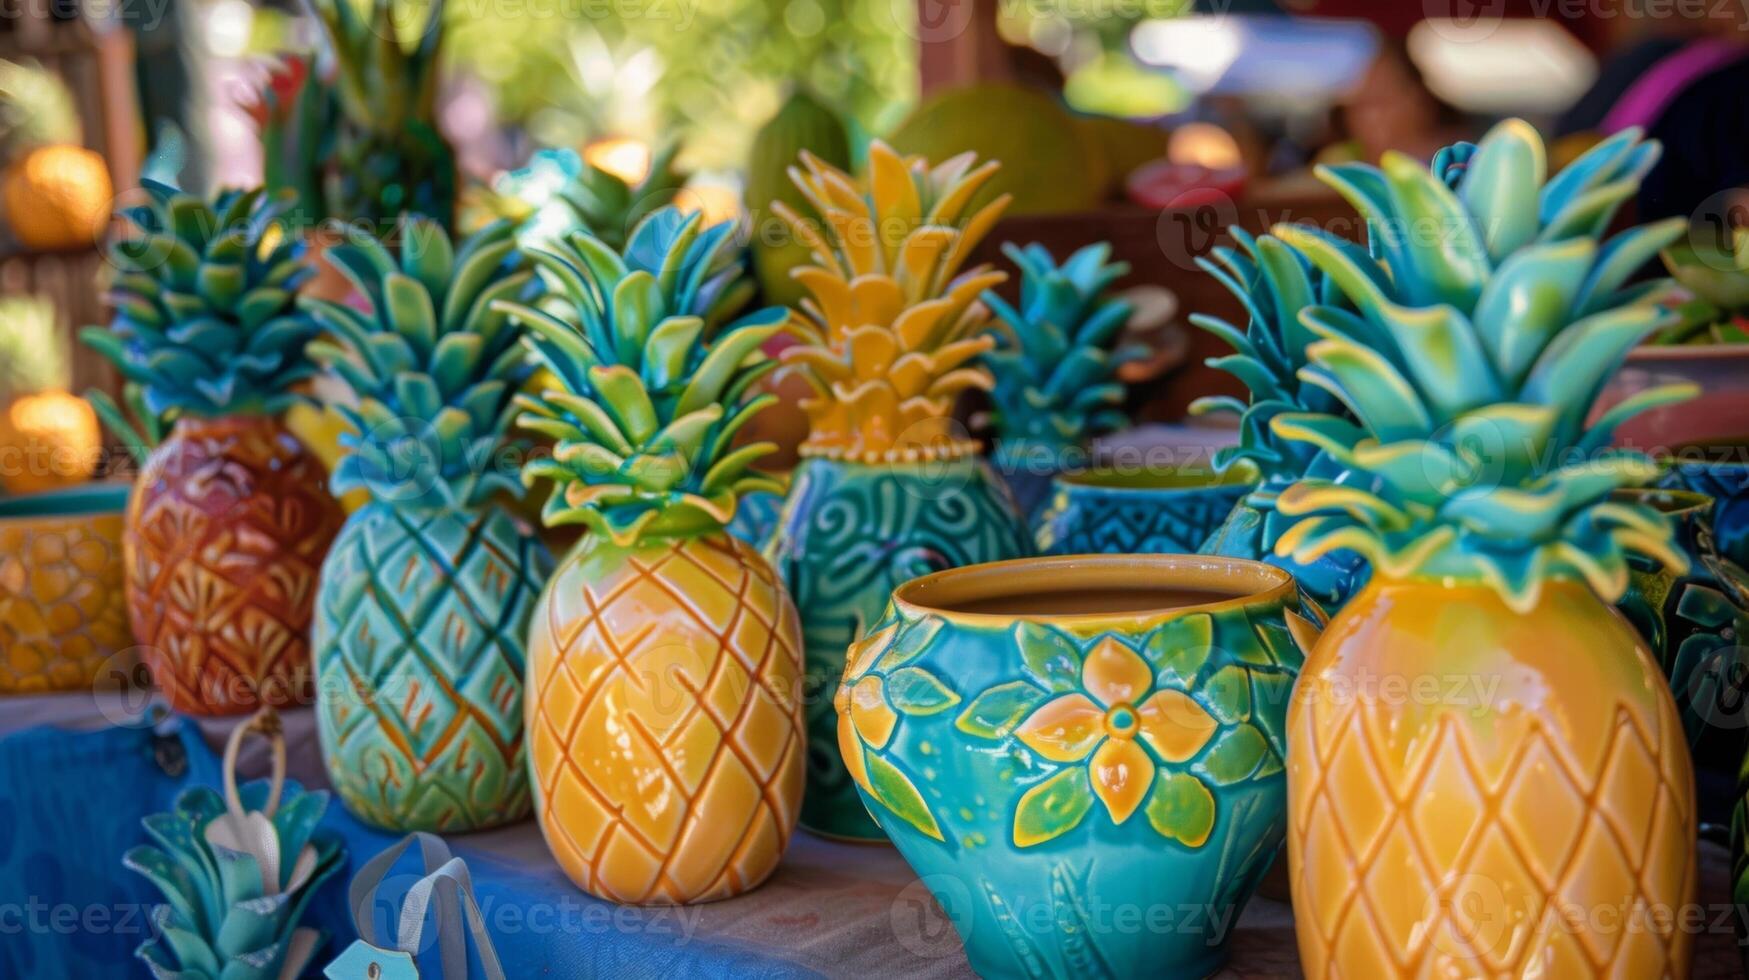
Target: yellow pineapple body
<point>63,609</point>
<point>1474,792</point>
<point>664,719</point>
<point>57,197</point>
<point>47,440</point>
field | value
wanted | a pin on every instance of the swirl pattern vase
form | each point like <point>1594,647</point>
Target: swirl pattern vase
<point>1082,758</point>
<point>849,535</point>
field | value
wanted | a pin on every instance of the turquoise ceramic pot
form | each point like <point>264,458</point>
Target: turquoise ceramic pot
<point>849,534</point>
<point>1130,512</point>
<point>1253,528</point>
<point>1081,756</point>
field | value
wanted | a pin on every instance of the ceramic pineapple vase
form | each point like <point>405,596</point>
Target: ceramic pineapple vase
<point>664,657</point>
<point>1055,365</point>
<point>1483,759</point>
<point>887,489</point>
<point>63,611</point>
<point>1063,745</point>
<point>1144,510</point>
<point>424,600</point>
<point>1274,285</point>
<point>230,516</point>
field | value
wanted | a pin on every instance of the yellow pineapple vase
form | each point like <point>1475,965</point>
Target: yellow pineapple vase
<point>664,724</point>
<point>1487,774</point>
<point>63,608</point>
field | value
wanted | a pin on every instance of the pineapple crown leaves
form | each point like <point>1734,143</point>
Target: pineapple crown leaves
<point>1716,275</point>
<point>1274,283</point>
<point>33,357</point>
<point>433,362</point>
<point>1469,363</point>
<point>609,208</point>
<point>648,408</point>
<point>892,329</point>
<point>204,294</point>
<point>1056,356</point>
<point>139,428</point>
<point>382,84</point>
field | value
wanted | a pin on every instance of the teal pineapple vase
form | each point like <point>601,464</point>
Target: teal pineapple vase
<point>849,534</point>
<point>419,643</point>
<point>1090,781</point>
<point>1144,511</point>
<point>1251,531</point>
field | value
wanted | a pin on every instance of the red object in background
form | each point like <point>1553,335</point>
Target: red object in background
<point>1164,185</point>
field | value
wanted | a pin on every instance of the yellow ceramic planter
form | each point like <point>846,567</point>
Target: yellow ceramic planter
<point>63,609</point>
<point>1474,791</point>
<point>664,718</point>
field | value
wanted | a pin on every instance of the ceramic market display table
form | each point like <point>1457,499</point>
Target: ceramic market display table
<point>71,797</point>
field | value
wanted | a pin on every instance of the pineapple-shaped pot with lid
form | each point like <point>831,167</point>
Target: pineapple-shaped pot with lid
<point>425,597</point>
<point>664,656</point>
<point>888,489</point>
<point>230,517</point>
<point>1486,772</point>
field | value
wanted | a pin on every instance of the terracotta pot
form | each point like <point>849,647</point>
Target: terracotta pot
<point>664,725</point>
<point>849,534</point>
<point>1719,414</point>
<point>225,533</point>
<point>1477,791</point>
<point>1075,752</point>
<point>63,611</point>
<point>1119,512</point>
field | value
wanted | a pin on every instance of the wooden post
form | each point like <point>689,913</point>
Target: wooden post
<point>957,44</point>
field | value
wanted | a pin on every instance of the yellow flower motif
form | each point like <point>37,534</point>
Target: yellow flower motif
<point>869,705</point>
<point>1107,725</point>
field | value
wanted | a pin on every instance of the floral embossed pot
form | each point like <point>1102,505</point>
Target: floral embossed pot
<point>63,610</point>
<point>1487,774</point>
<point>425,597</point>
<point>886,490</point>
<point>1064,746</point>
<point>1120,512</point>
<point>664,656</point>
<point>230,517</point>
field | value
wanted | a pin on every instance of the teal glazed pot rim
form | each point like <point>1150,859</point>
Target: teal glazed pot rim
<point>86,500</point>
<point>1236,581</point>
<point>1164,480</point>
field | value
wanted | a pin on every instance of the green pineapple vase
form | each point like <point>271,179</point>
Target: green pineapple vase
<point>425,597</point>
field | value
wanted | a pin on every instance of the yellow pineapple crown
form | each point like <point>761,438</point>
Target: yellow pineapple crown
<point>891,329</point>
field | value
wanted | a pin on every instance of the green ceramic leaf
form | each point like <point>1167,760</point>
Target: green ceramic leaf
<point>915,691</point>
<point>1049,656</point>
<point>897,793</point>
<point>1181,647</point>
<point>1053,807</point>
<point>995,713</point>
<point>1180,807</point>
<point>1227,694</point>
<point>914,637</point>
<point>1235,755</point>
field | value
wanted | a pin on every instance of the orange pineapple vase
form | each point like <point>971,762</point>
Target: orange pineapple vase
<point>225,534</point>
<point>1526,773</point>
<point>664,720</point>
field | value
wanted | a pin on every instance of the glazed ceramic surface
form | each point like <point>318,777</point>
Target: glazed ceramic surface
<point>1251,533</point>
<point>1117,512</point>
<point>851,533</point>
<point>63,609</point>
<point>1462,776</point>
<point>225,534</point>
<point>419,647</point>
<point>1094,787</point>
<point>1728,484</point>
<point>1692,620</point>
<point>664,731</point>
<point>756,517</point>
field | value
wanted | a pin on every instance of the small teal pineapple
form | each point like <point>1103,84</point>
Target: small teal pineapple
<point>1056,364</point>
<point>425,597</point>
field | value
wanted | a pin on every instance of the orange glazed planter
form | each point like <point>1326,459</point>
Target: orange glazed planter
<point>225,534</point>
<point>1474,791</point>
